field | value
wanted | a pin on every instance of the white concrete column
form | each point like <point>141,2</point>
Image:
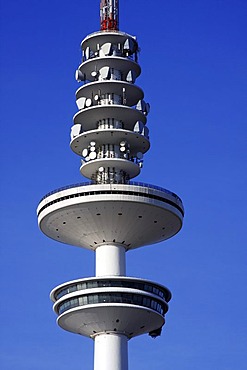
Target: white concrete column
<point>110,260</point>
<point>111,352</point>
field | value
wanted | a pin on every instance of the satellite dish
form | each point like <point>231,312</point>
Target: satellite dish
<point>122,149</point>
<point>139,155</point>
<point>88,102</point>
<point>96,97</point>
<point>81,102</point>
<point>79,76</point>
<point>92,155</point>
<point>122,143</point>
<point>84,152</point>
<point>75,131</point>
<point>87,53</point>
<point>92,143</point>
<point>101,169</point>
<point>106,48</point>
<point>94,74</point>
<point>92,149</point>
<point>138,127</point>
<point>104,72</point>
<point>128,45</point>
<point>140,105</point>
<point>131,76</point>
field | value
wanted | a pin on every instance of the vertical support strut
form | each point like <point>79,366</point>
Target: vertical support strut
<point>109,20</point>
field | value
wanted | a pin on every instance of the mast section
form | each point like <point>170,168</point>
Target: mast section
<point>109,20</point>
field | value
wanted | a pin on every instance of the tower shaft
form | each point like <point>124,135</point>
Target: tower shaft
<point>110,260</point>
<point>111,352</point>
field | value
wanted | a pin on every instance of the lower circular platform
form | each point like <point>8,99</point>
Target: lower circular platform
<point>110,318</point>
<point>92,215</point>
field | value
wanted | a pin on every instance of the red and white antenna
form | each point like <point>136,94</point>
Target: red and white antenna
<point>109,15</point>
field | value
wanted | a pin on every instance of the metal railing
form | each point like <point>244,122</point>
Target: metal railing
<point>143,184</point>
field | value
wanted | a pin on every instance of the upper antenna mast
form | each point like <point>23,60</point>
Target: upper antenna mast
<point>109,15</point>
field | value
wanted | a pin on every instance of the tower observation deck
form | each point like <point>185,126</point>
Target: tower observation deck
<point>110,214</point>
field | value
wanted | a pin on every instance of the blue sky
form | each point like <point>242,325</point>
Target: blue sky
<point>194,74</point>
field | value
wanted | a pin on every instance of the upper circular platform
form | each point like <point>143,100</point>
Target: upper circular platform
<point>92,215</point>
<point>101,37</point>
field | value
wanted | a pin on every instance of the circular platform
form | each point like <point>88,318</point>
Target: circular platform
<point>122,64</point>
<point>124,305</point>
<point>133,93</point>
<point>91,167</point>
<point>137,142</point>
<point>89,117</point>
<point>92,215</point>
<point>101,37</point>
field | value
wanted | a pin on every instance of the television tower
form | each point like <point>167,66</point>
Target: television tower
<point>110,214</point>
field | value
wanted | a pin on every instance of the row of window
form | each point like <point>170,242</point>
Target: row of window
<point>163,293</point>
<point>76,195</point>
<point>127,298</point>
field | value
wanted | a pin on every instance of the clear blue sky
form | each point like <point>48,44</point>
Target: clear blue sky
<point>193,58</point>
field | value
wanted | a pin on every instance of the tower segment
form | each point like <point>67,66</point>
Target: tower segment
<point>110,214</point>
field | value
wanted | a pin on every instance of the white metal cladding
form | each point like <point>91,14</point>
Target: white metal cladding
<point>90,220</point>
<point>131,320</point>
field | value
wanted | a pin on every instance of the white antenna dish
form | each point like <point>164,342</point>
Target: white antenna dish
<point>88,102</point>
<point>104,72</point>
<point>81,102</point>
<point>92,143</point>
<point>106,48</point>
<point>75,130</point>
<point>140,105</point>
<point>94,74</point>
<point>92,155</point>
<point>138,127</point>
<point>79,76</point>
<point>101,169</point>
<point>84,152</point>
<point>128,46</point>
<point>131,76</point>
<point>87,53</point>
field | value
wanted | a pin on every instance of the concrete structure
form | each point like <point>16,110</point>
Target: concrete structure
<point>110,215</point>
